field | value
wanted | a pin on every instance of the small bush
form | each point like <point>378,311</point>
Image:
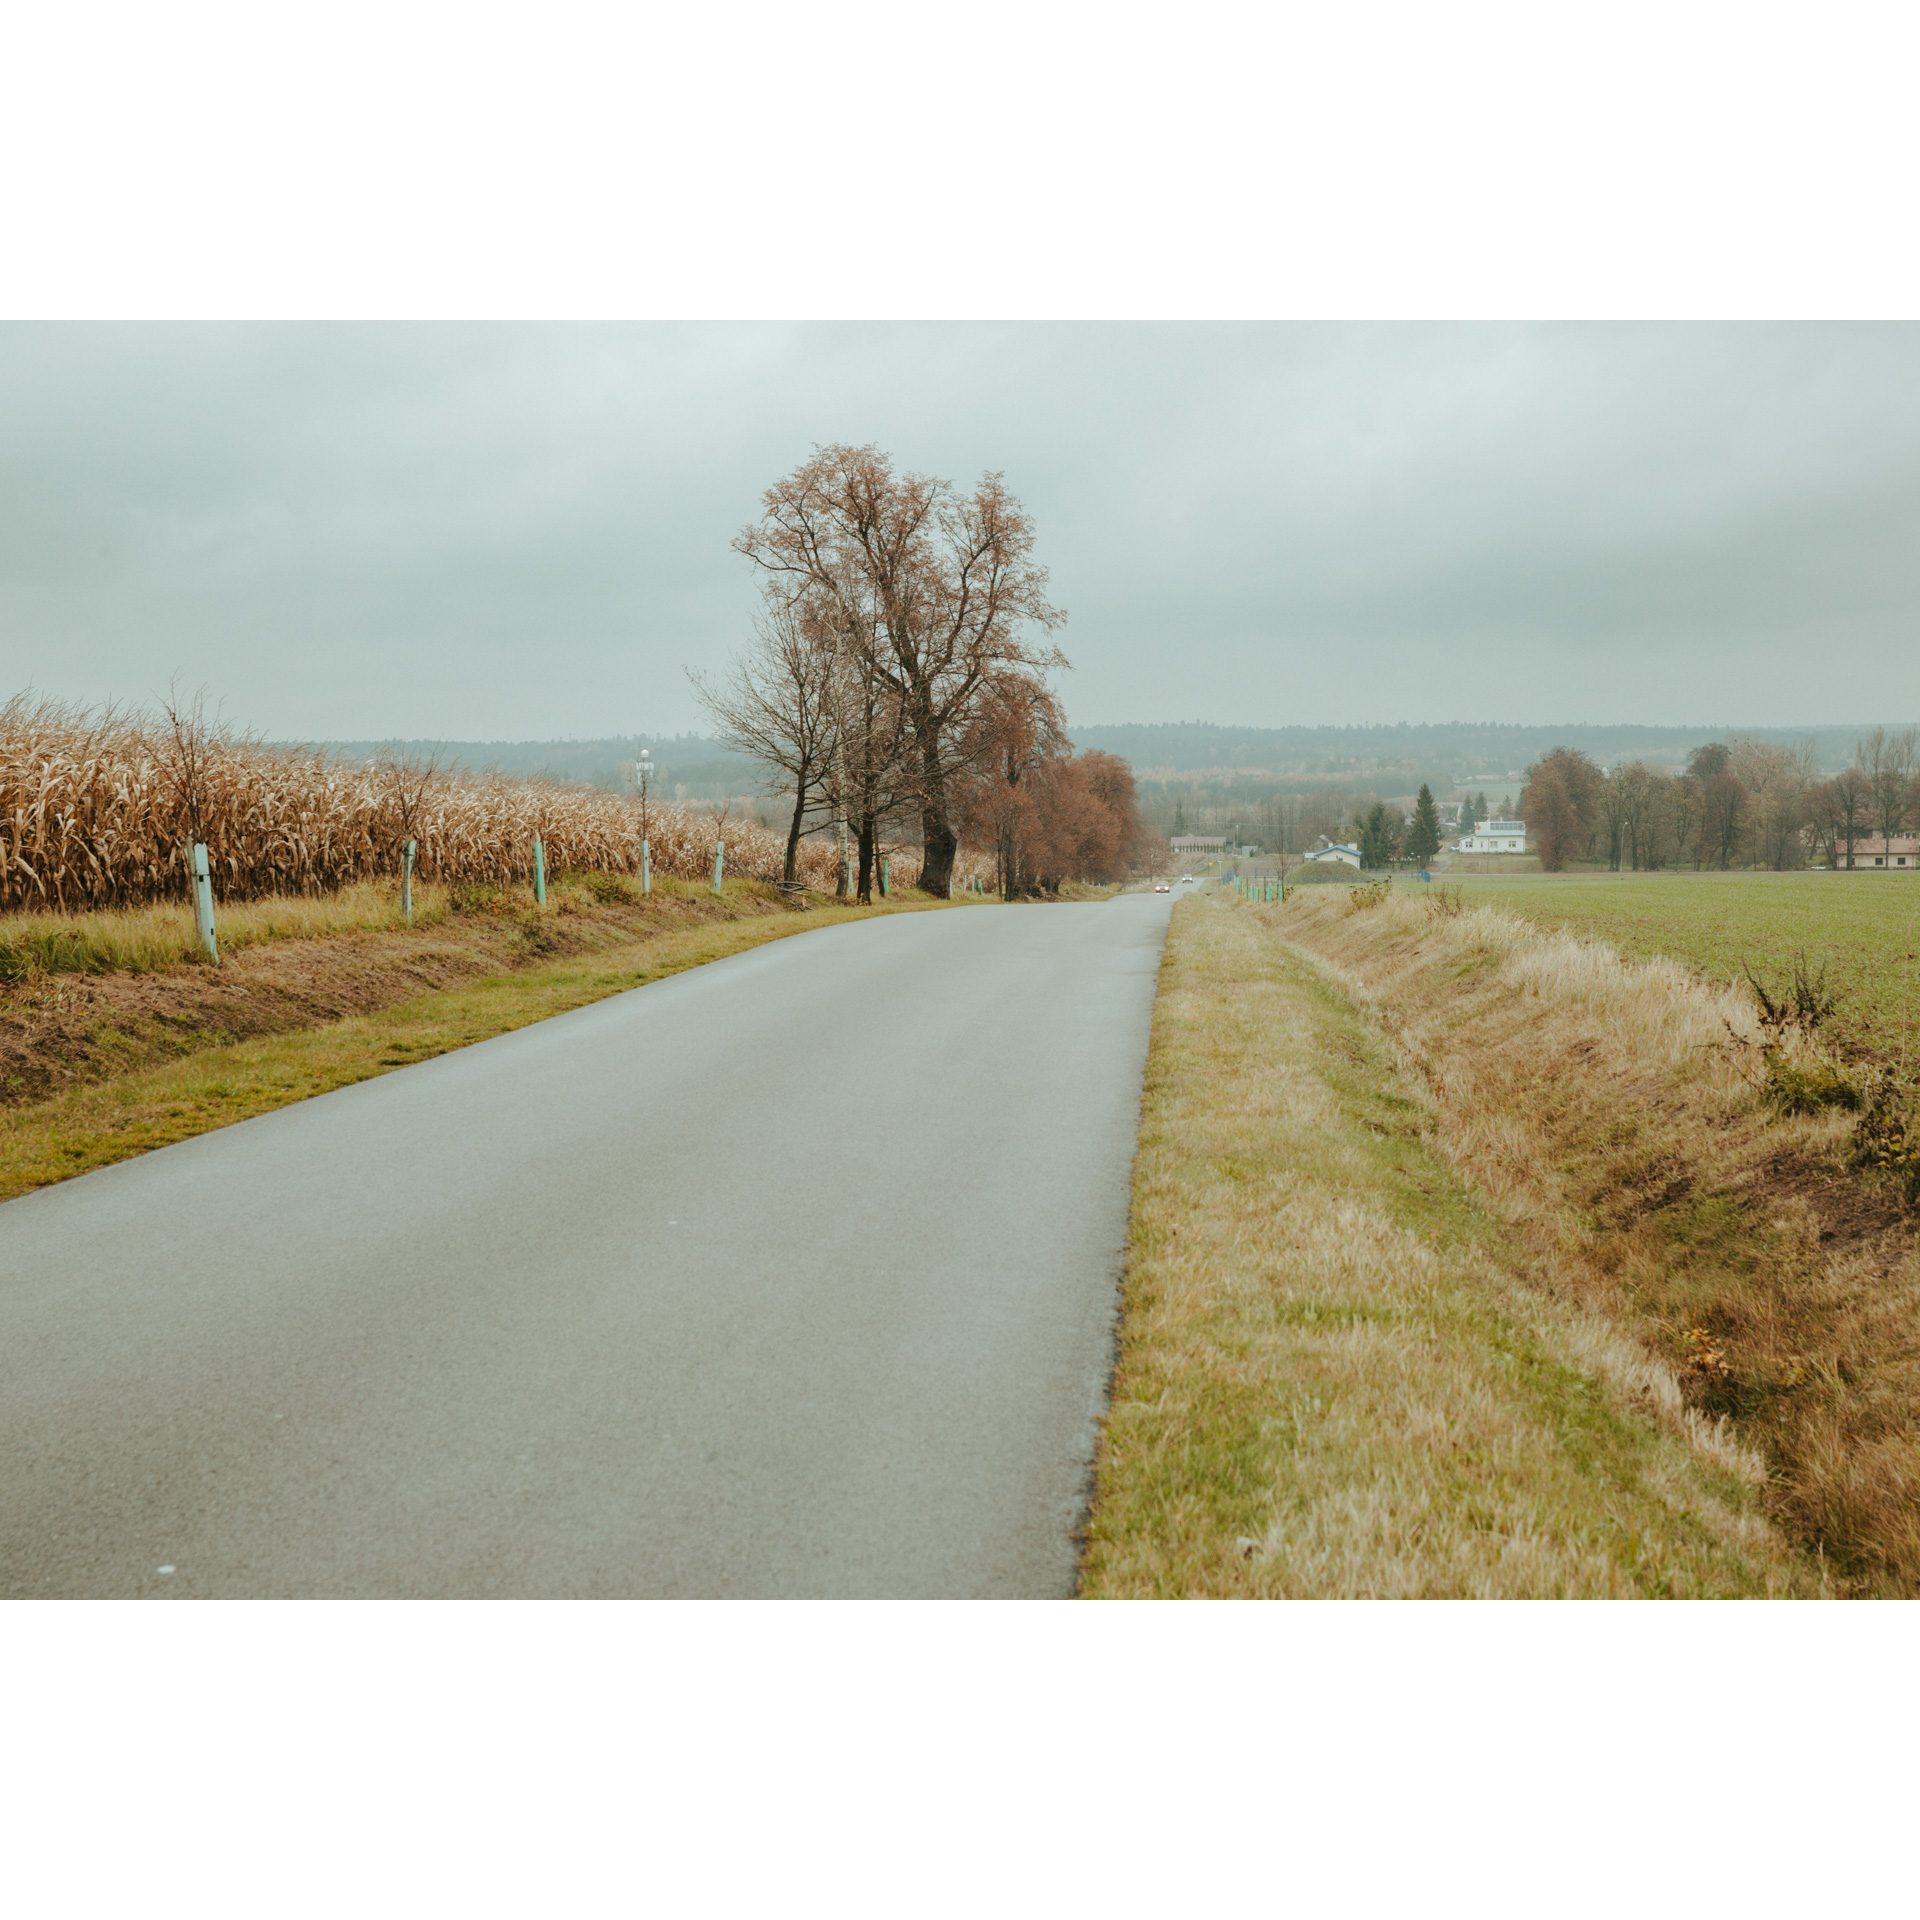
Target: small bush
<point>1371,895</point>
<point>611,890</point>
<point>1445,903</point>
<point>476,896</point>
<point>1888,1135</point>
<point>1791,1087</point>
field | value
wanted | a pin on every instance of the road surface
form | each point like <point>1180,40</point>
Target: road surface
<point>791,1275</point>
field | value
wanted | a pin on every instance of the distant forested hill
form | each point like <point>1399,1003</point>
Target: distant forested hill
<point>1449,753</point>
<point>1219,769</point>
<point>703,769</point>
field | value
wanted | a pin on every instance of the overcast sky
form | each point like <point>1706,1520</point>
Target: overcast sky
<point>522,531</point>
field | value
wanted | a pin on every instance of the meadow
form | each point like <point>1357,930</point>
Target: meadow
<point>1862,929</point>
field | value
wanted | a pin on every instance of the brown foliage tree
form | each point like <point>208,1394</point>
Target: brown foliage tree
<point>1017,728</point>
<point>1561,805</point>
<point>1087,818</point>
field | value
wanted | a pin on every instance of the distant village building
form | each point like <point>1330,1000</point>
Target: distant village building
<point>1884,854</point>
<point>1345,856</point>
<point>1496,836</point>
<point>1199,847</point>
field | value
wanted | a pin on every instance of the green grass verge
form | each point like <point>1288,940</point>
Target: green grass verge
<point>1332,1381</point>
<point>94,1124</point>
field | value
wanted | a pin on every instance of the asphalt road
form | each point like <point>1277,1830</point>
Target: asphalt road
<point>791,1275</point>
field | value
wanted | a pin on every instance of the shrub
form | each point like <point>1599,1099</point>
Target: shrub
<point>1792,1087</point>
<point>1888,1135</point>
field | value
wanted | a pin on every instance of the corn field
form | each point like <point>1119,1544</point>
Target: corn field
<point>97,809</point>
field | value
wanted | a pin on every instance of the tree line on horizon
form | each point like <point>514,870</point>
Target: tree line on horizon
<point>897,680</point>
<point>1739,802</point>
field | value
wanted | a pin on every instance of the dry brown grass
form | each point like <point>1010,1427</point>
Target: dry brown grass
<point>1605,1112</point>
<point>94,813</point>
<point>1333,1379</point>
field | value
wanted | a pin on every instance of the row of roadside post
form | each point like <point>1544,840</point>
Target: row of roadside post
<point>201,875</point>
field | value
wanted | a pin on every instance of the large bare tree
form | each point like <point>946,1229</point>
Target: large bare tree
<point>946,584</point>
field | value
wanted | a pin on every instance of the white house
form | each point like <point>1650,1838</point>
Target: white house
<point>1496,836</point>
<point>1888,856</point>
<point>1349,856</point>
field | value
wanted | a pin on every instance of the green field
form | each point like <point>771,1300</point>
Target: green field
<point>1863,928</point>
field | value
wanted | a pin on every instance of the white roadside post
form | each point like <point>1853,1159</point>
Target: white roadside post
<point>203,901</point>
<point>406,884</point>
<point>719,862</point>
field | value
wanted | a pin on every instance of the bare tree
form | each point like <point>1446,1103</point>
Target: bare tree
<point>1887,762</point>
<point>1723,814</point>
<point>192,738</point>
<point>1776,779</point>
<point>408,780</point>
<point>1845,812</point>
<point>948,584</point>
<point>777,704</point>
<point>1614,803</point>
<point>1683,816</point>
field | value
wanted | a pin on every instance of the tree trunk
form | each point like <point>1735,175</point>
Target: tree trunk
<point>940,843</point>
<point>793,832</point>
<point>866,860</point>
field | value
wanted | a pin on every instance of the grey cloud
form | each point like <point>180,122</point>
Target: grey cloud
<point>495,530</point>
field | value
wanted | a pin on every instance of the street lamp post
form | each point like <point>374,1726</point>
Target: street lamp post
<point>643,772</point>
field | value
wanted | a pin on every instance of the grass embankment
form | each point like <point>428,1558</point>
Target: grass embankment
<point>1332,1379</point>
<point>154,939</point>
<point>1606,1113</point>
<point>1862,928</point>
<point>156,1067</point>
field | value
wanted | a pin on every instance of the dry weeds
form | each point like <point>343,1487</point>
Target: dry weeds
<point>1608,1114</point>
<point>1332,1381</point>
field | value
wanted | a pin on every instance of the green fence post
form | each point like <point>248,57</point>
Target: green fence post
<point>539,872</point>
<point>719,862</point>
<point>203,900</point>
<point>883,879</point>
<point>406,884</point>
